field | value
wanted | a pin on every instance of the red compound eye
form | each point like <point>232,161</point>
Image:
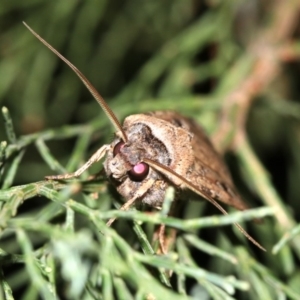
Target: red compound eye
<point>118,147</point>
<point>139,172</point>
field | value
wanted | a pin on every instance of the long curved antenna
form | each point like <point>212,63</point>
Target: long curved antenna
<point>167,171</point>
<point>86,82</point>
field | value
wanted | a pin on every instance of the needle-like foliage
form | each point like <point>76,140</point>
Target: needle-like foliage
<point>231,65</point>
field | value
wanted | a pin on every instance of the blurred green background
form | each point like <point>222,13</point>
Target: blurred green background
<point>149,55</point>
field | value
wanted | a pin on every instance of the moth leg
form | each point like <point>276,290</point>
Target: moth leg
<point>167,236</point>
<point>161,238</point>
<point>93,159</point>
<point>142,190</point>
<point>125,207</point>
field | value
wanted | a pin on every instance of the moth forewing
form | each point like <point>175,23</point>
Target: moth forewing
<point>208,170</point>
<point>155,150</point>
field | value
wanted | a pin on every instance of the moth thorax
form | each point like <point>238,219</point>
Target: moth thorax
<point>142,143</point>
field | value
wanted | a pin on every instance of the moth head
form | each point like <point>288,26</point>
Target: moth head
<point>122,165</point>
<point>148,137</point>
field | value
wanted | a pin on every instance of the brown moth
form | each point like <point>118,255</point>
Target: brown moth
<point>156,150</point>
